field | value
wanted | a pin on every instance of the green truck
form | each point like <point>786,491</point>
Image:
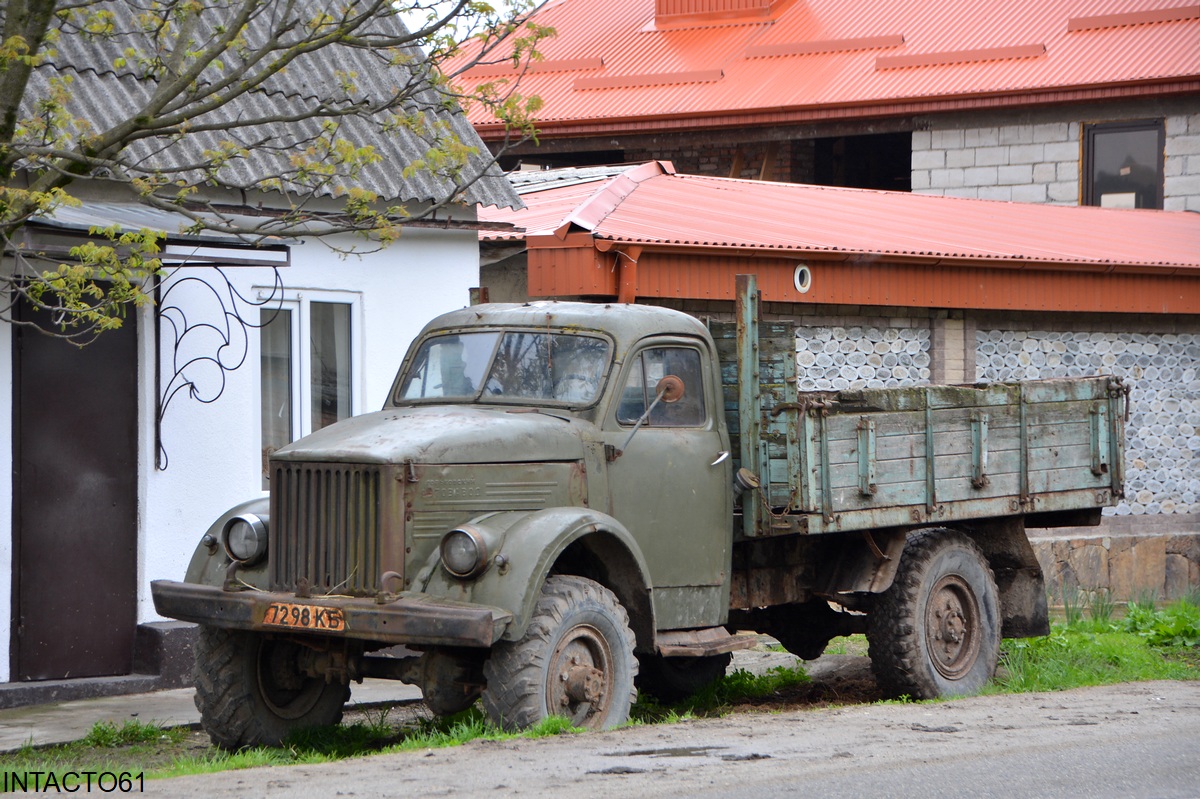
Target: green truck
<point>563,503</point>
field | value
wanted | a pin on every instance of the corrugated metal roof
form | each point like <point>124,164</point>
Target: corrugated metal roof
<point>821,56</point>
<point>549,195</point>
<point>650,205</point>
<point>106,88</point>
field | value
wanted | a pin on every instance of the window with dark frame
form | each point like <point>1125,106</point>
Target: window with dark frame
<point>1123,164</point>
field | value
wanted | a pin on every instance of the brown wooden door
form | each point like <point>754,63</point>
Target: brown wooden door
<point>74,504</point>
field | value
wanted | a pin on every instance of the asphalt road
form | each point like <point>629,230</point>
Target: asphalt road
<point>1125,741</point>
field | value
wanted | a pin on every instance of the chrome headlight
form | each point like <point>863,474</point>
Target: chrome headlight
<point>464,552</point>
<point>245,538</point>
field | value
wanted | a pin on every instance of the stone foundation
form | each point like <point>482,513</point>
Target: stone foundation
<point>1132,558</point>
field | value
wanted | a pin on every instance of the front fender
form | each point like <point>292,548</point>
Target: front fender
<point>530,545</point>
<point>209,563</point>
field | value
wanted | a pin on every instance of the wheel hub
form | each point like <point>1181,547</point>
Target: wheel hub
<point>583,684</point>
<point>580,677</point>
<point>952,627</point>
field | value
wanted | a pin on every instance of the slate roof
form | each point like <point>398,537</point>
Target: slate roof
<point>104,91</point>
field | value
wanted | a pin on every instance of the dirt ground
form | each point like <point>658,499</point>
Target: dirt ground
<point>1129,741</point>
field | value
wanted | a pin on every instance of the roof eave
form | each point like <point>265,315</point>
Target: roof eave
<point>832,112</point>
<point>579,239</point>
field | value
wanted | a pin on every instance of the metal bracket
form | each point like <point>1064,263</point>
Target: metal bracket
<point>866,457</point>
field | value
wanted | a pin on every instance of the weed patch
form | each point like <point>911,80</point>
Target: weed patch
<point>1147,644</point>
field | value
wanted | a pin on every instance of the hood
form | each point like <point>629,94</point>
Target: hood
<point>444,434</point>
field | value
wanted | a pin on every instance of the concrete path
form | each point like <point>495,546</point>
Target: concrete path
<point>61,722</point>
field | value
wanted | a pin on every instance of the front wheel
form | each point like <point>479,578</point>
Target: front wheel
<point>936,631</point>
<point>575,660</point>
<point>251,689</point>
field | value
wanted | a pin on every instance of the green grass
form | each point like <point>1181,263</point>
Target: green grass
<point>327,744</point>
<point>107,735</point>
<point>1094,649</point>
<point>737,687</point>
<point>139,748</point>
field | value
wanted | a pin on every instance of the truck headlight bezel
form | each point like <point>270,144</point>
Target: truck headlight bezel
<point>464,552</point>
<point>244,538</point>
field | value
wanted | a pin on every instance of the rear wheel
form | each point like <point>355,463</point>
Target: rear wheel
<point>936,630</point>
<point>575,660</point>
<point>251,689</point>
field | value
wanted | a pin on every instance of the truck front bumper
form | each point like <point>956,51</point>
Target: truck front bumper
<point>409,618</point>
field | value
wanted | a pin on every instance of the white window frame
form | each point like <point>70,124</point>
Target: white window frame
<point>299,303</point>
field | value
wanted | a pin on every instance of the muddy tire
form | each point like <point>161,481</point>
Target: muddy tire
<point>251,692</point>
<point>936,631</point>
<point>673,679</point>
<point>575,660</point>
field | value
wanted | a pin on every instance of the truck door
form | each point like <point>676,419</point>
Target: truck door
<point>671,484</point>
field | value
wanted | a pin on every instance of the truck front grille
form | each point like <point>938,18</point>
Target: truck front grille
<point>328,527</point>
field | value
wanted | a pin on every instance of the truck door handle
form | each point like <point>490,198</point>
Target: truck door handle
<point>721,456</point>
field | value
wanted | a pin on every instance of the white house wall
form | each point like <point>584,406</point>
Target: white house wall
<point>213,449</point>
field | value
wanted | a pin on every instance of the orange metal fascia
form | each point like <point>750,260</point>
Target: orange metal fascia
<point>579,268</point>
<point>602,246</point>
<point>859,256</point>
<point>830,112</point>
<point>889,284</point>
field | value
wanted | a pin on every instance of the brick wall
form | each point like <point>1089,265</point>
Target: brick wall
<point>791,161</point>
<point>1036,163</point>
<point>1182,166</point>
<point>1039,162</point>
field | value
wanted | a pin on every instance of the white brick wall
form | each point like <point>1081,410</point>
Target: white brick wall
<point>1023,163</point>
<point>1182,164</point>
<point>1039,163</point>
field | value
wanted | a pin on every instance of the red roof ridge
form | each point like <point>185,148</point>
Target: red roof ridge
<point>825,46</point>
<point>1089,23</point>
<point>593,211</point>
<point>959,56</point>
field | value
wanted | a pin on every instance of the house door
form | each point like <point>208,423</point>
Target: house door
<point>74,503</point>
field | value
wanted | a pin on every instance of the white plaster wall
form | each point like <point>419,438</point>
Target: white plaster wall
<point>214,449</point>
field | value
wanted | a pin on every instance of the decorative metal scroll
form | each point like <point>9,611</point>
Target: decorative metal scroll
<point>205,347</point>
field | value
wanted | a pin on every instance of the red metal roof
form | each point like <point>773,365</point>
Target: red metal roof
<point>652,206</point>
<point>614,65</point>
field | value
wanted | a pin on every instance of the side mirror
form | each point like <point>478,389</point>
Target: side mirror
<point>670,389</point>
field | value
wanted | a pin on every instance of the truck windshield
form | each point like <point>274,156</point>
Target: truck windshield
<point>508,366</point>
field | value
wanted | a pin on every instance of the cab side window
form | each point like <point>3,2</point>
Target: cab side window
<point>651,366</point>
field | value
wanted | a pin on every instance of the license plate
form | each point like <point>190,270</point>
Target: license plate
<point>307,617</point>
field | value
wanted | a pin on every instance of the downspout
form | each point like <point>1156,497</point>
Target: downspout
<point>627,270</point>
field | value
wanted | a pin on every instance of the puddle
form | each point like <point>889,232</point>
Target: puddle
<point>674,751</point>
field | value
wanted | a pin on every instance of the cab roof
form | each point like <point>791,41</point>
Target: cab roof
<point>624,322</point>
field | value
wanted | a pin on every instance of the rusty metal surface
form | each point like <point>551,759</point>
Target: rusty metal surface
<point>334,526</point>
<point>702,643</point>
<point>405,619</point>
